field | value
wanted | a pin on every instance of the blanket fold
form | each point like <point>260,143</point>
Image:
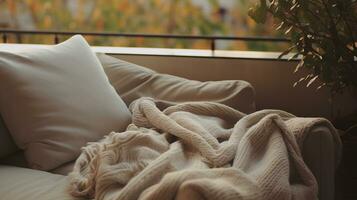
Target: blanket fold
<point>198,150</point>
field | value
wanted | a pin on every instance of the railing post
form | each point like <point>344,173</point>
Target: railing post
<point>18,38</point>
<point>4,37</point>
<point>56,39</point>
<point>213,46</point>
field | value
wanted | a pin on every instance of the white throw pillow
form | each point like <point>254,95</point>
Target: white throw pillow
<point>56,99</point>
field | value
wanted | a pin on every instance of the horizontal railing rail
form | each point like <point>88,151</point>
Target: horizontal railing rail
<point>212,39</point>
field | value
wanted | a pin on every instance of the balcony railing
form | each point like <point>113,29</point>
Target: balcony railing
<point>212,39</point>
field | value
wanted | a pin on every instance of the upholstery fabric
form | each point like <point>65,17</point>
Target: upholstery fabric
<point>7,145</point>
<point>16,159</point>
<point>64,169</point>
<point>20,183</point>
<point>322,155</point>
<point>133,81</point>
<point>56,99</point>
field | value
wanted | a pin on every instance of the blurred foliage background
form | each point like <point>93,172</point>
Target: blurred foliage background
<point>182,17</point>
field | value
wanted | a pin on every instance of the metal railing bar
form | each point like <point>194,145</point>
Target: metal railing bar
<point>135,35</point>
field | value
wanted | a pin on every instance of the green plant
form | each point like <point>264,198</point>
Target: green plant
<point>323,34</point>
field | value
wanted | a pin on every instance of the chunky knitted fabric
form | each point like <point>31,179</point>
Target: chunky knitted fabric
<point>198,150</point>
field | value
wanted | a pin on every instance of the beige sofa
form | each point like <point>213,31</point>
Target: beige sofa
<point>319,149</point>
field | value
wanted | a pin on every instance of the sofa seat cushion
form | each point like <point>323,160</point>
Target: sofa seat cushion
<point>20,183</point>
<point>64,169</point>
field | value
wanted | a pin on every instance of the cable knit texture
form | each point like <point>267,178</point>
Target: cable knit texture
<point>197,150</point>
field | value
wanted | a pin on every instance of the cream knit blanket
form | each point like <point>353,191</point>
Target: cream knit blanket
<point>197,151</point>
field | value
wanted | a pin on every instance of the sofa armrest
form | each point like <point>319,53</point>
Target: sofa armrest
<point>321,154</point>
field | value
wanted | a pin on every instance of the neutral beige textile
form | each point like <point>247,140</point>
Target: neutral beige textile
<point>26,184</point>
<point>322,154</point>
<point>198,150</point>
<point>7,145</point>
<point>133,81</point>
<point>64,169</point>
<point>16,159</point>
<point>56,99</point>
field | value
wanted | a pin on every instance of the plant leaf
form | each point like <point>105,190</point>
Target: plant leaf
<point>293,56</point>
<point>308,76</point>
<point>298,67</point>
<point>287,51</point>
<point>322,85</point>
<point>311,81</point>
<point>289,30</point>
<point>280,26</point>
<point>259,12</point>
<point>294,6</point>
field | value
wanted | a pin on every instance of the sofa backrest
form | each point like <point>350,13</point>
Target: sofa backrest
<point>133,81</point>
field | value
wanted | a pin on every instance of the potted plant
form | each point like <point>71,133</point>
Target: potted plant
<point>324,38</point>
